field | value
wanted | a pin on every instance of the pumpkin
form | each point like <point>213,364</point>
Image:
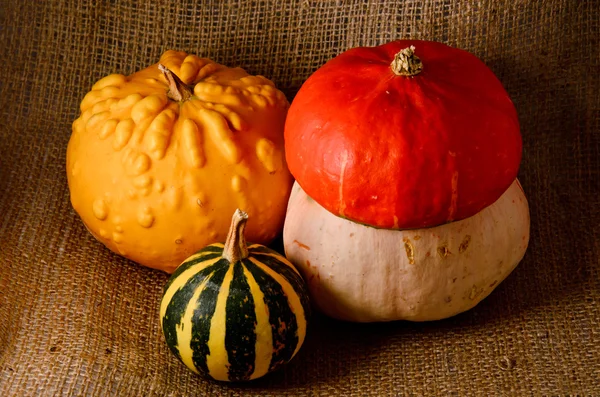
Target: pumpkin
<point>409,134</point>
<point>360,273</point>
<point>407,205</point>
<point>158,158</point>
<point>233,311</point>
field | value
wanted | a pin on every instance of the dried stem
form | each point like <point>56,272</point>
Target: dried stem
<point>406,63</point>
<point>178,90</point>
<point>235,246</point>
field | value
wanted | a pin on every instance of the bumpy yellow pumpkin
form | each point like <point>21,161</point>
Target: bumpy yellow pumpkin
<point>158,160</point>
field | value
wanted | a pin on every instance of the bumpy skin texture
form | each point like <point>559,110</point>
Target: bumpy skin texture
<point>403,152</point>
<point>155,180</point>
<point>363,274</point>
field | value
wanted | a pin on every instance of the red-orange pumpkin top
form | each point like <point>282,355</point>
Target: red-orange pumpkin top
<point>409,134</point>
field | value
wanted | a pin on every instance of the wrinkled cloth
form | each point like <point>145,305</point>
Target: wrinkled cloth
<point>76,319</point>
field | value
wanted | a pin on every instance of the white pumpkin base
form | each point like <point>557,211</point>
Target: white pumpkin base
<point>363,274</point>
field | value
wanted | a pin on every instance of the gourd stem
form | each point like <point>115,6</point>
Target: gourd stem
<point>235,248</point>
<point>178,90</point>
<point>406,63</point>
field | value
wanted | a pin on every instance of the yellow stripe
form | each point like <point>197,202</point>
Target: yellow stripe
<point>182,279</point>
<point>217,361</point>
<point>264,333</point>
<point>184,328</point>
<point>293,298</point>
<point>279,257</point>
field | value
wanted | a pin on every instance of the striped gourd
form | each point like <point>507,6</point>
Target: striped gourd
<point>235,312</point>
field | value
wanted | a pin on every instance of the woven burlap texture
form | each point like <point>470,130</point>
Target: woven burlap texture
<point>76,319</point>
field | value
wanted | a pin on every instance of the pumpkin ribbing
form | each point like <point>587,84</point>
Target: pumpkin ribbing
<point>235,319</point>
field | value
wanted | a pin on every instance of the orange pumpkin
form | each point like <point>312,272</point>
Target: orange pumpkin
<point>159,160</point>
<point>408,134</point>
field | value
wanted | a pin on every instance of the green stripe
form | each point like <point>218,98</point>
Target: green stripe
<point>281,317</point>
<point>176,307</point>
<point>292,277</point>
<point>240,327</point>
<point>204,314</point>
<point>208,255</point>
<point>213,248</point>
<point>258,249</point>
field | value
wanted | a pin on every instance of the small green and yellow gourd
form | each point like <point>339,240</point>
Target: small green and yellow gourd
<point>233,311</point>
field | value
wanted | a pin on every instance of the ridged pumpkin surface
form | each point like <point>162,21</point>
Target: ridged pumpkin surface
<point>235,321</point>
<point>156,178</point>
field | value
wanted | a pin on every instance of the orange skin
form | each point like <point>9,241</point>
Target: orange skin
<point>403,152</point>
<point>155,179</point>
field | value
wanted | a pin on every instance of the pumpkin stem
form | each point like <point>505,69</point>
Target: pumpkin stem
<point>178,90</point>
<point>235,248</point>
<point>406,63</point>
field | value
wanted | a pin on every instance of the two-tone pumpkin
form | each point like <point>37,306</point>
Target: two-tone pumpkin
<point>233,311</point>
<point>407,204</point>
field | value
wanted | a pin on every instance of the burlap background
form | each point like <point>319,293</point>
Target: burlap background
<point>78,320</point>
